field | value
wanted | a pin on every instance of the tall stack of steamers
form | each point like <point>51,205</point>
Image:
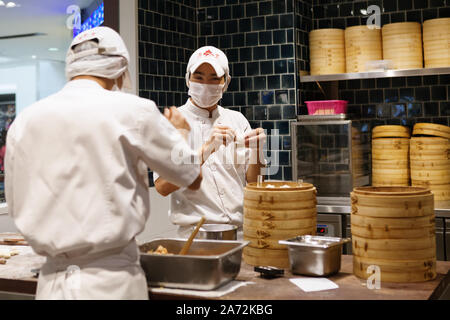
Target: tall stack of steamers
<point>403,44</point>
<point>422,161</point>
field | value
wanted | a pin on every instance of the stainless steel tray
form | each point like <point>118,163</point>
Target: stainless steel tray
<point>315,255</point>
<point>208,265</point>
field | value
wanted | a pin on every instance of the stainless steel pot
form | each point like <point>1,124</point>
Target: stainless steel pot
<point>218,232</point>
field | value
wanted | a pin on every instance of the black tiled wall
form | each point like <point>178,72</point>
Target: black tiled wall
<point>167,38</point>
<point>404,100</point>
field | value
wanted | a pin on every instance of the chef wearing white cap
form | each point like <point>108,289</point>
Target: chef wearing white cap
<point>231,150</point>
<point>76,173</point>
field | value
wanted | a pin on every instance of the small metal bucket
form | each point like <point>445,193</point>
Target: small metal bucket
<point>218,232</point>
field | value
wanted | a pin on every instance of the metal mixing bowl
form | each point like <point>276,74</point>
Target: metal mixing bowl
<point>218,232</point>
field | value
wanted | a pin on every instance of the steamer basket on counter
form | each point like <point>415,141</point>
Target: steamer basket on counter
<point>390,156</point>
<point>394,228</point>
<point>402,44</point>
<point>273,211</point>
<point>436,43</point>
<point>327,51</point>
<point>361,46</point>
<point>430,160</point>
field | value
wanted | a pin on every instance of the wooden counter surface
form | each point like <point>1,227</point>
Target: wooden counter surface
<point>350,287</point>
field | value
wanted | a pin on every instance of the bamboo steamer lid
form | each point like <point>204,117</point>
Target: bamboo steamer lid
<point>392,202</point>
<point>402,43</point>
<point>327,51</point>
<point>362,45</point>
<point>432,129</point>
<point>436,42</point>
<point>390,131</point>
<point>436,29</point>
<point>327,33</point>
<point>401,28</point>
<point>273,214</point>
<point>394,229</point>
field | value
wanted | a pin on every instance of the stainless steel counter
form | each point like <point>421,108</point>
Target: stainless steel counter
<point>342,206</point>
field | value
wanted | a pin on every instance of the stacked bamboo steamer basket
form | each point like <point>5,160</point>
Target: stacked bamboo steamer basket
<point>394,228</point>
<point>436,42</point>
<point>430,160</point>
<point>390,156</point>
<point>362,45</point>
<point>402,44</point>
<point>273,214</point>
<point>327,51</point>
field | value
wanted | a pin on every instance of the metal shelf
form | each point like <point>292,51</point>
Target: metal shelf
<point>377,74</point>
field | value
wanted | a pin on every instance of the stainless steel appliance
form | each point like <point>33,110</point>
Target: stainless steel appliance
<point>329,225</point>
<point>332,153</point>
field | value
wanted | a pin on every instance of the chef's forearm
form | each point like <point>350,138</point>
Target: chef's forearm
<point>164,187</point>
<point>254,170</point>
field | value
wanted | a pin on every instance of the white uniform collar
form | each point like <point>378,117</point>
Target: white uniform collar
<point>201,112</point>
<point>83,83</point>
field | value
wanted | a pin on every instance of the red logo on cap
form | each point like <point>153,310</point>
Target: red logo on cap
<point>208,53</point>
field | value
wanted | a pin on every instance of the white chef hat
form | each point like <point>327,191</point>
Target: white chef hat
<point>99,52</point>
<point>215,57</point>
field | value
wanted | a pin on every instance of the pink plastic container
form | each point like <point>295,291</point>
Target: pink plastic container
<point>326,107</point>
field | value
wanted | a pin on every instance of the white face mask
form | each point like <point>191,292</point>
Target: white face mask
<point>205,95</point>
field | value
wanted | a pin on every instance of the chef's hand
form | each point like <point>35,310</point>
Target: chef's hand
<point>177,120</point>
<point>221,135</point>
<point>255,139</point>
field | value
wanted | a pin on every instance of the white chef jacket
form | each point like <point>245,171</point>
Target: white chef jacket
<point>76,169</point>
<point>221,195</point>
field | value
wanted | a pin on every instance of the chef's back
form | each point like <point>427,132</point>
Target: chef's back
<point>77,168</point>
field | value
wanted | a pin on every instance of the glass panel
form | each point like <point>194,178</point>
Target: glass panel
<point>332,157</point>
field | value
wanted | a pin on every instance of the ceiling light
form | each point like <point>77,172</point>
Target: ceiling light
<point>2,3</point>
<point>33,57</point>
<point>11,5</point>
<point>53,49</point>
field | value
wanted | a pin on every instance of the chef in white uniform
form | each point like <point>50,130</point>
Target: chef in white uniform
<point>231,151</point>
<point>76,173</point>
